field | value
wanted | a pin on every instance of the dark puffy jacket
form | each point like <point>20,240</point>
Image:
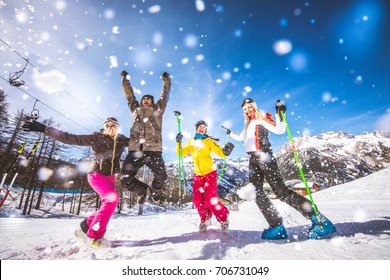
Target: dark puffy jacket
<point>107,151</point>
<point>145,131</point>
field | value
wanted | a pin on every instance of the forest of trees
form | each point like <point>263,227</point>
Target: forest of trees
<point>42,164</point>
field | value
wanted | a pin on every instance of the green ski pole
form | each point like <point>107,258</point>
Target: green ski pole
<point>225,159</point>
<point>298,162</point>
<point>180,175</point>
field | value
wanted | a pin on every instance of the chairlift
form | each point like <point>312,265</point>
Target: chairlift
<point>14,78</point>
<point>34,115</point>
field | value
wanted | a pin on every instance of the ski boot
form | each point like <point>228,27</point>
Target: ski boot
<point>156,196</point>
<point>275,233</point>
<point>84,225</point>
<point>203,225</point>
<point>97,243</point>
<point>225,226</point>
<point>321,227</point>
<point>82,231</point>
<point>141,198</point>
<point>81,234</point>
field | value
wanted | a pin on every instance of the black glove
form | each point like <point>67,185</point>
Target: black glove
<point>124,73</point>
<point>279,108</point>
<point>228,131</point>
<point>179,137</point>
<point>228,148</point>
<point>165,75</point>
<point>34,126</point>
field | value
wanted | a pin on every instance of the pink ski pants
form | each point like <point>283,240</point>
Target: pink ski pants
<point>104,185</point>
<point>205,198</point>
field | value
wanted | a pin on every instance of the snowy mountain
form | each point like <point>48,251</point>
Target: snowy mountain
<point>328,159</point>
<point>334,158</point>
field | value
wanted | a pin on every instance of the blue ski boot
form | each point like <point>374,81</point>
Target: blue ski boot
<point>278,232</point>
<point>320,228</point>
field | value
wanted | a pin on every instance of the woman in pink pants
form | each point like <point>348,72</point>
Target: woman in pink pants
<point>107,146</point>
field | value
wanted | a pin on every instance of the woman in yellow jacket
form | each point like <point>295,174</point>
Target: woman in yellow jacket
<point>205,191</point>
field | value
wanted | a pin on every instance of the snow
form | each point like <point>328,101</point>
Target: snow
<point>360,211</point>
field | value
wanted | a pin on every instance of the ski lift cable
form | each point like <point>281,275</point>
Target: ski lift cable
<point>12,49</point>
<point>48,106</point>
<point>86,108</point>
<point>28,62</point>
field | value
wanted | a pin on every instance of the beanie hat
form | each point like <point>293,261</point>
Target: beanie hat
<point>249,101</point>
<point>199,123</point>
<point>111,120</point>
<point>148,96</point>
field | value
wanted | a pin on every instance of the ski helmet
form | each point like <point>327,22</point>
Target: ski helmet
<point>199,123</point>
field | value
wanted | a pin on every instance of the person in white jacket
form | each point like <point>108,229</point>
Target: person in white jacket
<point>262,165</point>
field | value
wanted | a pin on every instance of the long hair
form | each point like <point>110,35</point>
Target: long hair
<point>260,115</point>
<point>105,131</point>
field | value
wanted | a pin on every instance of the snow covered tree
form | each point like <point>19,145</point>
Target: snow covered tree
<point>3,120</point>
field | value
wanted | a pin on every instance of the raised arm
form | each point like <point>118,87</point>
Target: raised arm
<point>129,92</point>
<point>166,88</point>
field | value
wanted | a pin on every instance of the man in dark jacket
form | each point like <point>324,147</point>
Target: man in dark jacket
<point>145,146</point>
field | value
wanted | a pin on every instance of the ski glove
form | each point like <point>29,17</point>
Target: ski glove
<point>179,137</point>
<point>165,75</point>
<point>279,108</point>
<point>34,126</point>
<point>124,73</point>
<point>228,148</point>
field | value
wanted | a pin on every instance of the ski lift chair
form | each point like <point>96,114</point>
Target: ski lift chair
<point>16,82</point>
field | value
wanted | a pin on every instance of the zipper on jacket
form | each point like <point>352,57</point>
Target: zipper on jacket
<point>113,157</point>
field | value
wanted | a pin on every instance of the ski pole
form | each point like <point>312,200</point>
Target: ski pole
<point>19,152</point>
<point>33,150</point>
<point>225,159</point>
<point>298,163</point>
<point>8,191</point>
<point>180,174</point>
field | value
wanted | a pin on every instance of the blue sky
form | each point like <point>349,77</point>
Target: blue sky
<point>328,60</point>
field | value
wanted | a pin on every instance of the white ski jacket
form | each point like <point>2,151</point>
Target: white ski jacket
<point>256,136</point>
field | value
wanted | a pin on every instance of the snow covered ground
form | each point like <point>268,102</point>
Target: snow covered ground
<point>360,211</point>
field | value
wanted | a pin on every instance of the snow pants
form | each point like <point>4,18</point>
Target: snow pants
<point>105,187</point>
<point>134,161</point>
<point>205,198</point>
<point>263,166</point>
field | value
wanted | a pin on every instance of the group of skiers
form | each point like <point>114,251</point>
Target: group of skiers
<point>145,149</point>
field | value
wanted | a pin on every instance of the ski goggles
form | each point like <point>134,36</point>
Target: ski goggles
<point>111,120</point>
<point>248,101</point>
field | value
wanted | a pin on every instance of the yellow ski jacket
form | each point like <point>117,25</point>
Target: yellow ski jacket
<point>200,151</point>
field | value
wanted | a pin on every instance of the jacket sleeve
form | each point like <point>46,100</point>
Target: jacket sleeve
<point>129,94</point>
<point>278,128</point>
<point>164,97</point>
<point>215,148</point>
<point>188,148</point>
<point>238,137</point>
<point>71,139</point>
